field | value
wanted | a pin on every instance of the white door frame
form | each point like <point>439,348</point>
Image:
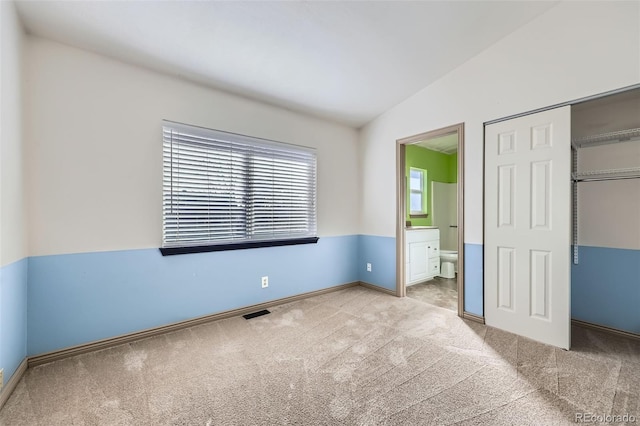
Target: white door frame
<point>401,207</point>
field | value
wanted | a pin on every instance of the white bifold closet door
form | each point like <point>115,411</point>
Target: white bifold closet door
<point>527,259</point>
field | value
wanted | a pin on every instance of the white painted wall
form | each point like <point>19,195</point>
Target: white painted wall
<point>94,146</point>
<point>12,213</point>
<point>609,211</point>
<point>575,49</point>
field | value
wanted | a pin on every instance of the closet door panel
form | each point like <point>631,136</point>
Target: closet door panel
<point>528,226</point>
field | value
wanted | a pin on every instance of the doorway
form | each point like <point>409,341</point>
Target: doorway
<point>430,217</point>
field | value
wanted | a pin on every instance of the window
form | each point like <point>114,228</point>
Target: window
<point>417,196</point>
<point>226,191</point>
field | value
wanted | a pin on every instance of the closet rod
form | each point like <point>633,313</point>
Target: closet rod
<point>597,179</point>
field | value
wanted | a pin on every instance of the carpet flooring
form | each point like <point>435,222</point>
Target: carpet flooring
<point>351,357</point>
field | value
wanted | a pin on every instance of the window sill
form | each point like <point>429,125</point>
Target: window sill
<point>419,216</point>
<point>170,251</point>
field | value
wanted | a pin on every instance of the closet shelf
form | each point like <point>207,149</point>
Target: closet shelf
<point>605,138</point>
<point>610,174</point>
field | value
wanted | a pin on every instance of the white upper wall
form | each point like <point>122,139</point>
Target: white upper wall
<point>12,217</point>
<point>574,50</point>
<point>94,144</point>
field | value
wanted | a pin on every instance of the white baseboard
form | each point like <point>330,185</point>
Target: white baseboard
<point>605,329</point>
<point>378,288</point>
<point>8,389</point>
<point>472,317</point>
<point>131,337</point>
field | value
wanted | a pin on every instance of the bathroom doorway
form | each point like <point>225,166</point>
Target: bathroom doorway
<point>430,217</point>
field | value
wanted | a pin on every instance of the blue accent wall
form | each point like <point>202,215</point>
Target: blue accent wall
<point>605,287</point>
<point>78,298</point>
<point>13,316</point>
<point>381,253</point>
<point>474,279</point>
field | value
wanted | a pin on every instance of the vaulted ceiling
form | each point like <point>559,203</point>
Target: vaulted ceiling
<point>347,61</point>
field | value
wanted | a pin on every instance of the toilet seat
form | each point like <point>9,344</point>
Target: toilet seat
<point>448,254</point>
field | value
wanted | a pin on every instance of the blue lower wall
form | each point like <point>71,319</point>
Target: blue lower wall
<point>381,253</point>
<point>13,316</point>
<point>605,287</point>
<point>78,298</point>
<point>474,279</point>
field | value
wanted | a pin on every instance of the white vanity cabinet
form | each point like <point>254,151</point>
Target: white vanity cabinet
<point>422,255</point>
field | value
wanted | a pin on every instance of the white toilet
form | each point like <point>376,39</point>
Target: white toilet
<point>448,263</point>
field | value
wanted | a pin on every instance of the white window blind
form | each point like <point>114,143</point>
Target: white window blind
<point>221,188</point>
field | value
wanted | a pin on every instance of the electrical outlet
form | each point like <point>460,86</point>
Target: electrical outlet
<point>265,282</point>
<point>368,267</point>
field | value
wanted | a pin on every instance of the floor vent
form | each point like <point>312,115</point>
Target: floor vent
<point>256,314</point>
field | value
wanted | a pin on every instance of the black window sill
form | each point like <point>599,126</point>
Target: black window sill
<point>170,251</point>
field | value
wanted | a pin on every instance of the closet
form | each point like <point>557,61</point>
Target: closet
<point>605,273</point>
<point>562,219</point>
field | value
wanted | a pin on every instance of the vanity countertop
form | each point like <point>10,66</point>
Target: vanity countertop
<point>412,228</point>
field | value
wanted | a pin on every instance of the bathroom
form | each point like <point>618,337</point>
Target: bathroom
<point>432,171</point>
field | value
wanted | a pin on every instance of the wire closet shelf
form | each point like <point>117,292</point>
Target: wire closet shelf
<point>602,139</point>
<point>598,175</point>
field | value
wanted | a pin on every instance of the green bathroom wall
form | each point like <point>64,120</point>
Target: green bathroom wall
<point>453,167</point>
<point>440,167</point>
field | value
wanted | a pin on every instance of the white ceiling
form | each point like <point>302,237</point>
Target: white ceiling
<point>348,61</point>
<point>446,144</point>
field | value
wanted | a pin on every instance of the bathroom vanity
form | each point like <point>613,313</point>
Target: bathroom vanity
<point>422,254</point>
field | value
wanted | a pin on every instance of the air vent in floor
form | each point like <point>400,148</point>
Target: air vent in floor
<point>256,314</point>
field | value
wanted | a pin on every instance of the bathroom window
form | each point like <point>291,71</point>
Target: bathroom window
<point>417,192</point>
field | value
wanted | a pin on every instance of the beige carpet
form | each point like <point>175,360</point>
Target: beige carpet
<point>353,357</point>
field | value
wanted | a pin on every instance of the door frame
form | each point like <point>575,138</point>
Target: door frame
<point>401,206</point>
